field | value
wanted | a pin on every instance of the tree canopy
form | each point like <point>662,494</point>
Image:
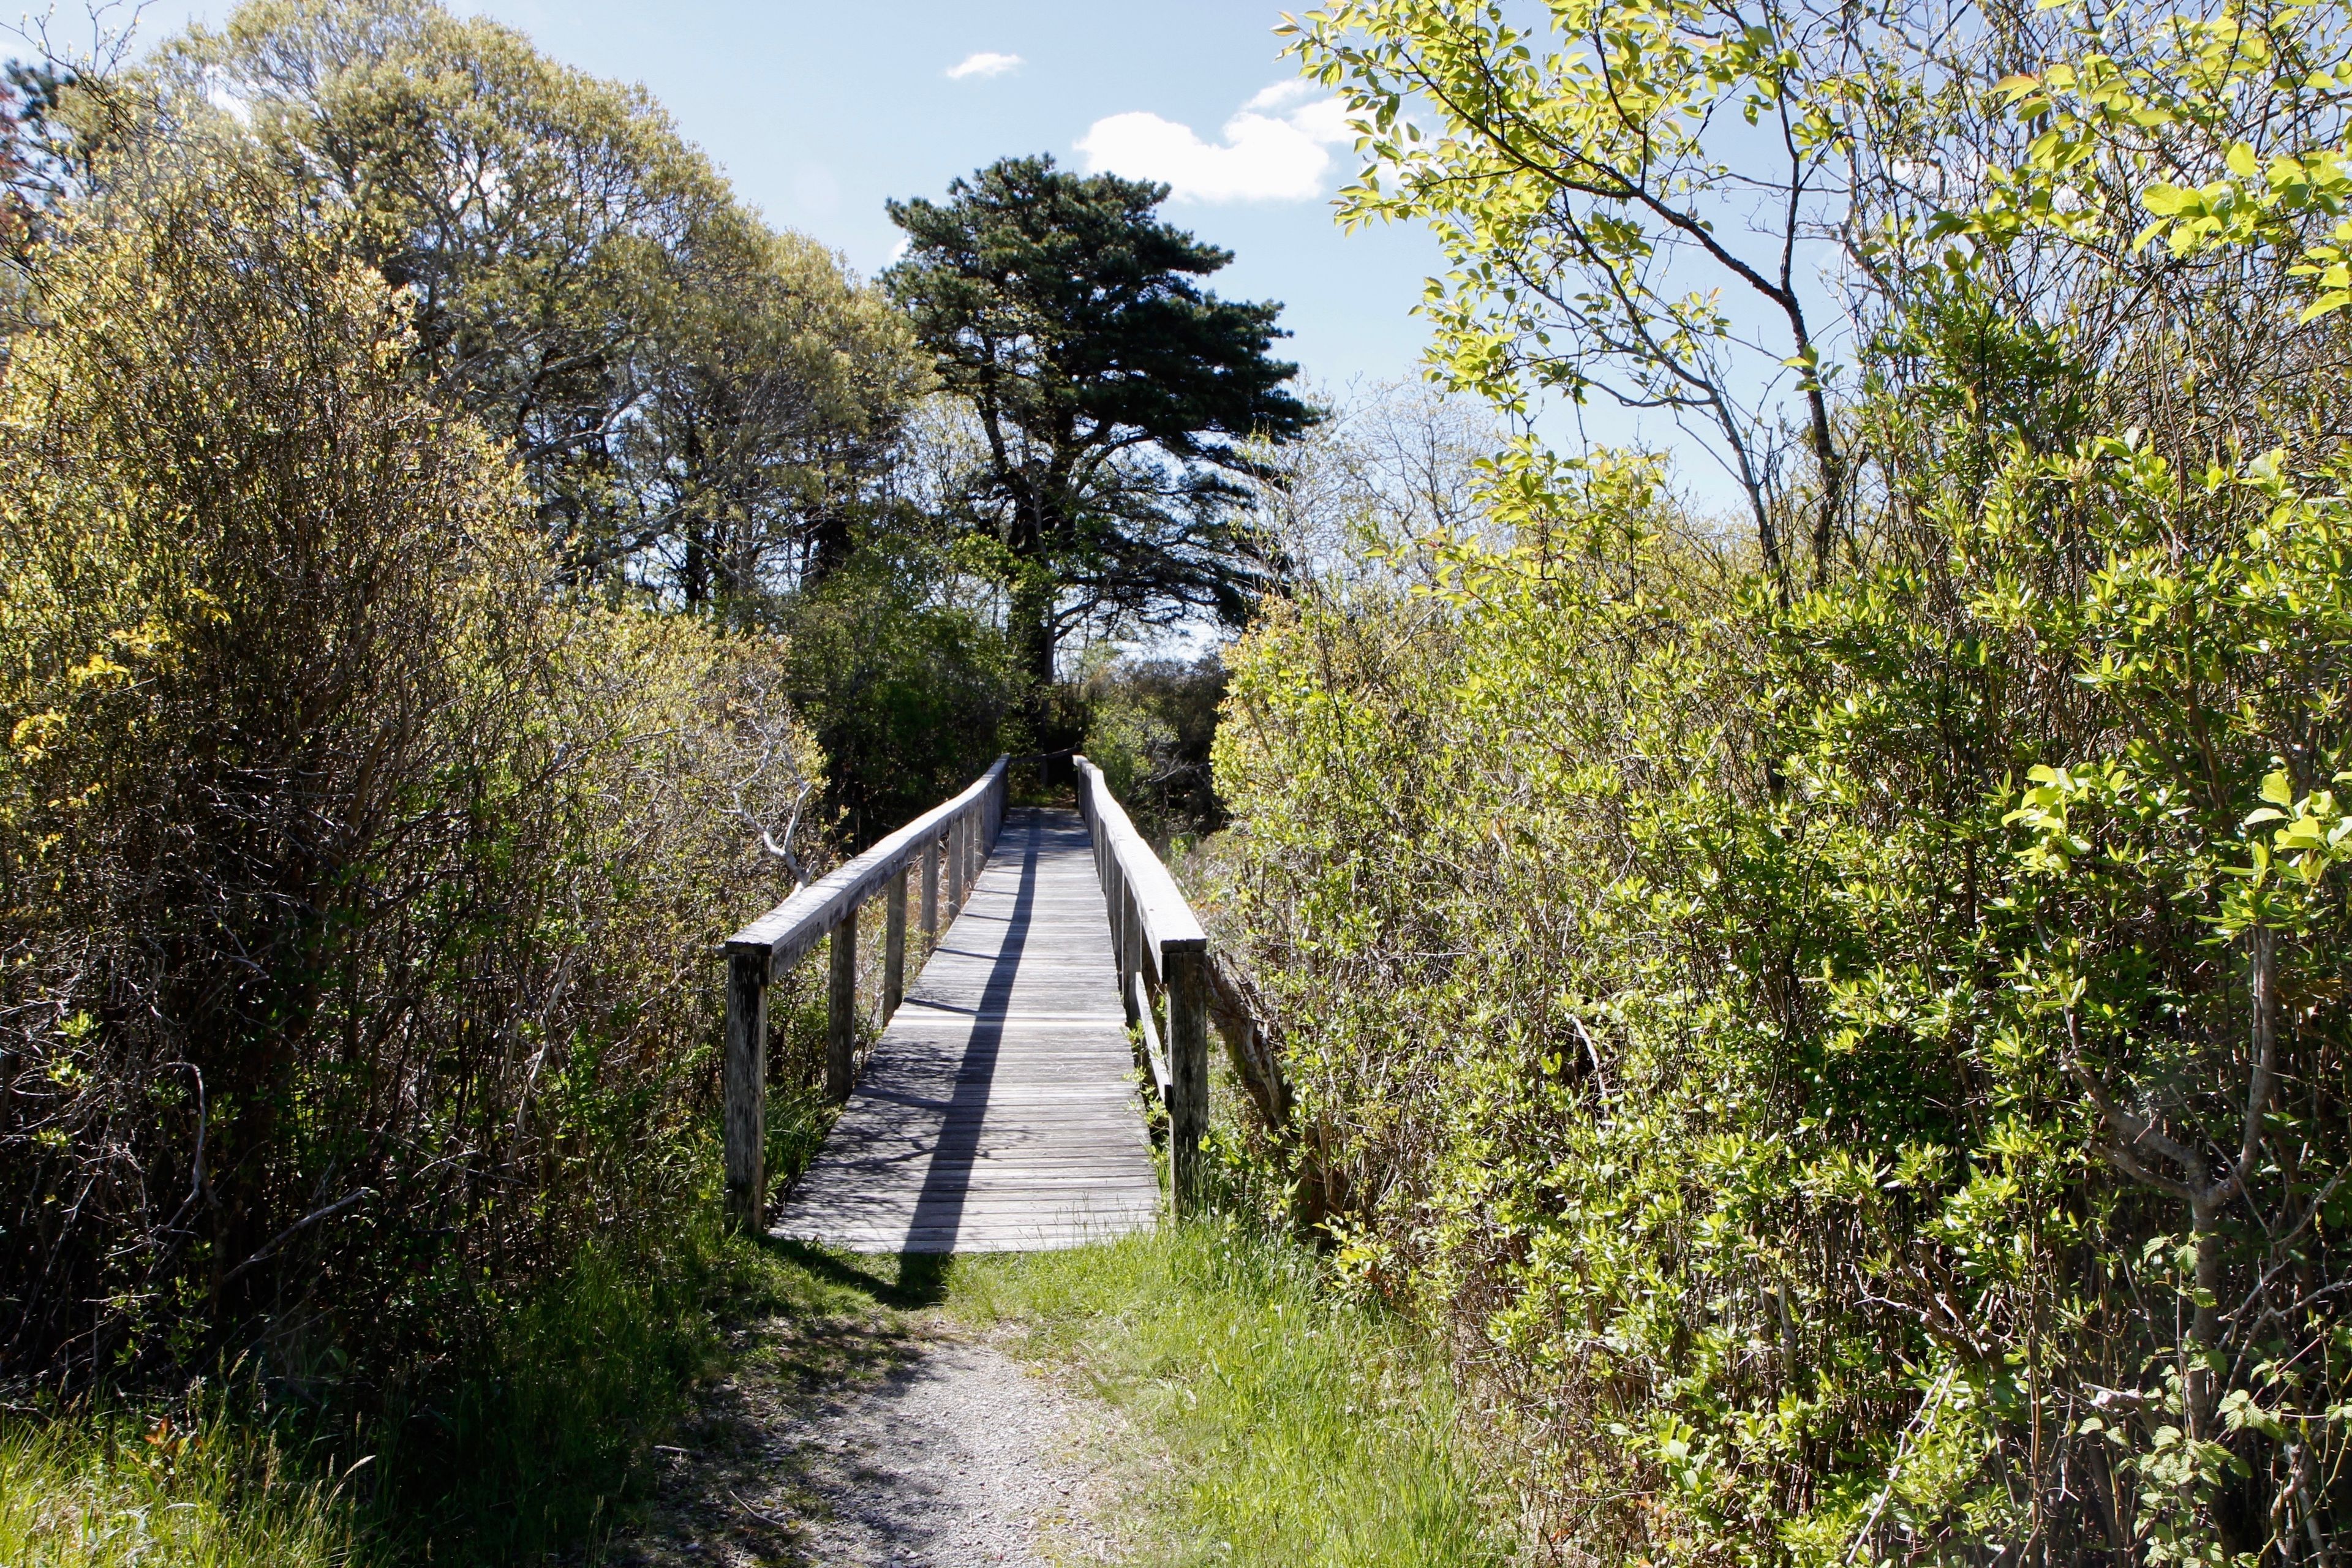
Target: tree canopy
<point>1115,399</point>
<point>697,401</point>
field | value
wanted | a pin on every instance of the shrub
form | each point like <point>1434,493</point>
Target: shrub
<point>356,897</point>
<point>909,693</point>
<point>1149,723</point>
<point>1866,1077</point>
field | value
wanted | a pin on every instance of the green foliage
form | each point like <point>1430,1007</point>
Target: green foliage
<point>1297,1426</point>
<point>1861,1073</point>
<point>356,897</point>
<point>697,403</point>
<point>909,693</point>
<point>1115,396</point>
<point>1622,188</point>
<point>1150,724</point>
<point>1834,1065</point>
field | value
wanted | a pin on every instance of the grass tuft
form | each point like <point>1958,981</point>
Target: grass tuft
<point>1300,1428</point>
<point>116,1490</point>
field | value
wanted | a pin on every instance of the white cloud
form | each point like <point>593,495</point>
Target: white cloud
<point>1277,149</point>
<point>985,63</point>
<point>1282,95</point>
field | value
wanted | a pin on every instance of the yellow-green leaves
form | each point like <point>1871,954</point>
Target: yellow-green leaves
<point>1623,195</point>
<point>2312,835</point>
<point>2167,128</point>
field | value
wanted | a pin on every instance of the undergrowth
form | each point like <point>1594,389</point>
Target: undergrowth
<point>538,1443</point>
<point>118,1488</point>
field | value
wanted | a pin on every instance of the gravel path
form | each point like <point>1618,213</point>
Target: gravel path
<point>863,1446</point>
<point>958,1457</point>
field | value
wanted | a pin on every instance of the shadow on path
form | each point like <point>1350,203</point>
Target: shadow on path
<point>947,1181</point>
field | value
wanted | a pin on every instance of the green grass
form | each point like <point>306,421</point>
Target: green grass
<point>541,1447</point>
<point>1283,1424</point>
<point>113,1489</point>
<point>1297,1428</point>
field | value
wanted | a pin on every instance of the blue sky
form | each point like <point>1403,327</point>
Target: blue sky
<point>818,112</point>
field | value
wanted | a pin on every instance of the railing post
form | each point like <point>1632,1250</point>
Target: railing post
<point>931,889</point>
<point>1114,889</point>
<point>1130,932</point>
<point>955,868</point>
<point>746,1087</point>
<point>894,947</point>
<point>841,1010</point>
<point>1185,972</point>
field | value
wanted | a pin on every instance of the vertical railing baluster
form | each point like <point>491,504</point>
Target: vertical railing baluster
<point>931,889</point>
<point>841,1010</point>
<point>894,946</point>
<point>955,869</point>
<point>745,1079</point>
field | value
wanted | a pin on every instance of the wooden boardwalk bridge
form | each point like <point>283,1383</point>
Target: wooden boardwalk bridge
<point>999,1109</point>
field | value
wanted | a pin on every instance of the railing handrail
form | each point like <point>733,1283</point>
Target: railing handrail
<point>1157,937</point>
<point>787,932</point>
<point>1169,923</point>
<point>953,836</point>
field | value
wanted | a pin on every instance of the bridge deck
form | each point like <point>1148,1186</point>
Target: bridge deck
<point>998,1113</point>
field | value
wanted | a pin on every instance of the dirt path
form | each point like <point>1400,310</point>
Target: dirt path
<point>878,1445</point>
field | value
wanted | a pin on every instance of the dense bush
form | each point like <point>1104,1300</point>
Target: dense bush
<point>1850,1075</point>
<point>909,692</point>
<point>1861,1071</point>
<point>1150,724</point>
<point>355,894</point>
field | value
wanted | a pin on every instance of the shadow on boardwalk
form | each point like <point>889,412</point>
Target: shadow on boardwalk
<point>999,1111</point>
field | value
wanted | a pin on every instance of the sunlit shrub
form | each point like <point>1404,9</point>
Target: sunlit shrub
<point>357,897</point>
<point>1866,1077</point>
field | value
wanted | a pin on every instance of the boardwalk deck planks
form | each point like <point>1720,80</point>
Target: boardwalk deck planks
<point>998,1112</point>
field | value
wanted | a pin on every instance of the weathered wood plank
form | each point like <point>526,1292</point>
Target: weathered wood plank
<point>841,1011</point>
<point>746,1086</point>
<point>797,925</point>
<point>1157,904</point>
<point>999,1111</point>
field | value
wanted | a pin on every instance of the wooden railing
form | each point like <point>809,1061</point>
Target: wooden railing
<point>951,842</point>
<point>1161,950</point>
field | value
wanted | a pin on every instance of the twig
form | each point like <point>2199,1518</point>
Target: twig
<point>283,1237</point>
<point>770,1519</point>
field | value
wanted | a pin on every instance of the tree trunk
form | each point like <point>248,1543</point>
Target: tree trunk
<point>1032,627</point>
<point>829,546</point>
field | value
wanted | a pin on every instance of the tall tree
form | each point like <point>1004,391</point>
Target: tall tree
<point>775,397</point>
<point>693,398</point>
<point>1115,399</point>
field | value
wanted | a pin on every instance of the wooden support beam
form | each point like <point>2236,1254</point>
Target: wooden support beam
<point>955,867</point>
<point>894,948</point>
<point>932,891</point>
<point>1187,973</point>
<point>746,1080</point>
<point>841,1011</point>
